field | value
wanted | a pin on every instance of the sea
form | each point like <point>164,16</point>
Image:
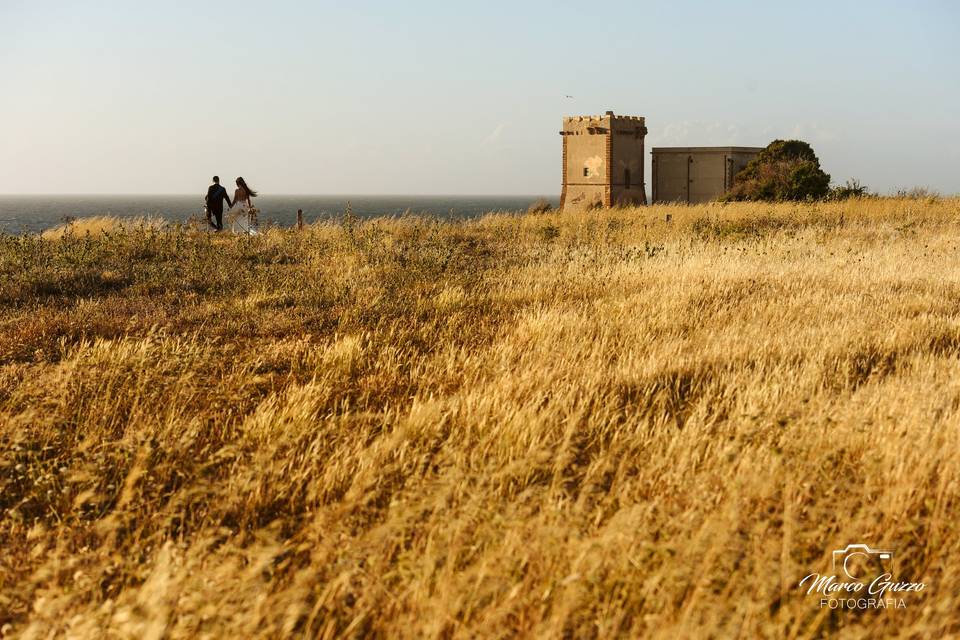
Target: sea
<point>22,214</point>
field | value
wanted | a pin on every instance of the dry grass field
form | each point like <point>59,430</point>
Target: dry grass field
<point>564,425</point>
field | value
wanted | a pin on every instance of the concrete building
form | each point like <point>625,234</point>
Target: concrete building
<point>696,174</point>
<point>603,161</point>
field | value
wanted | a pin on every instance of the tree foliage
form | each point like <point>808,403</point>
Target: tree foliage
<point>785,170</point>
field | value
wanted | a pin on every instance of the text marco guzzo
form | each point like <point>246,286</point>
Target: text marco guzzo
<point>882,592</point>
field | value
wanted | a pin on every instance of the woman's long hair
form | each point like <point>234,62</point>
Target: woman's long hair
<point>243,185</point>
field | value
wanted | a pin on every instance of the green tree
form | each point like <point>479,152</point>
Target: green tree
<point>785,170</point>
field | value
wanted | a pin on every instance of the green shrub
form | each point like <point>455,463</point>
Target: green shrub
<point>852,189</point>
<point>785,170</point>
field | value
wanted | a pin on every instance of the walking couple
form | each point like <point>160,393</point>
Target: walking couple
<point>241,204</point>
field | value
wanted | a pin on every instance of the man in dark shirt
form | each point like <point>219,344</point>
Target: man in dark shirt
<point>216,194</point>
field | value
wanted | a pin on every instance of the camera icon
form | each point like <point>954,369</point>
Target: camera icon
<point>857,558</point>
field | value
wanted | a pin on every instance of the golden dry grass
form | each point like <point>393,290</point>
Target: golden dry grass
<point>98,225</point>
<point>559,425</point>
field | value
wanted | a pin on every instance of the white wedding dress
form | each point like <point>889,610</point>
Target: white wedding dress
<point>242,217</point>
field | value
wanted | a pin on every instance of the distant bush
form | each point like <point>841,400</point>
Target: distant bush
<point>785,170</point>
<point>919,193</point>
<point>540,206</point>
<point>852,189</point>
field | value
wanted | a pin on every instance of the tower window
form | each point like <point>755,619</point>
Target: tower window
<point>586,172</point>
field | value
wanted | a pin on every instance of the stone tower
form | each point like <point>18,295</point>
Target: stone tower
<point>603,161</point>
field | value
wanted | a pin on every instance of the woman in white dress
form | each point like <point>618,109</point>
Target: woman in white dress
<point>243,211</point>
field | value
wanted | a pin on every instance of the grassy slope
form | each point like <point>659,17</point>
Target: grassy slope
<point>562,424</point>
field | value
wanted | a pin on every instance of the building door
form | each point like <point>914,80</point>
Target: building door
<point>707,177</point>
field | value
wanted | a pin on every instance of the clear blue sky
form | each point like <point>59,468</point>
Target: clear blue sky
<point>454,98</point>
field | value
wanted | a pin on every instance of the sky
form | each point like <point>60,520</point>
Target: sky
<point>460,98</point>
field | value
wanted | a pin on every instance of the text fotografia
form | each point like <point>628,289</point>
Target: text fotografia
<point>857,562</point>
<point>881,593</point>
